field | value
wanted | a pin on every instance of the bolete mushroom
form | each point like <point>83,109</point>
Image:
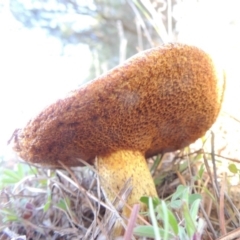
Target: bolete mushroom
<point>159,100</point>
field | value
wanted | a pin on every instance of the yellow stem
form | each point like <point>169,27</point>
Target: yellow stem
<point>115,169</point>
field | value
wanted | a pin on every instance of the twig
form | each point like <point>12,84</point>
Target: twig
<point>231,116</point>
<point>156,164</point>
<point>234,208</point>
<point>227,158</point>
<point>214,163</point>
<point>222,222</point>
<point>211,178</point>
<point>231,235</point>
<point>132,221</point>
<point>142,24</point>
<point>123,42</point>
<point>169,14</point>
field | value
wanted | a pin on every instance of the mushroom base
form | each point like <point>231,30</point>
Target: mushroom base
<point>115,169</point>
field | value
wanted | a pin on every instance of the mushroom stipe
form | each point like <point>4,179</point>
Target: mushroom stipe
<point>160,100</point>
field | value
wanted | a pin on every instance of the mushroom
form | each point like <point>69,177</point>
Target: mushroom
<point>159,100</point>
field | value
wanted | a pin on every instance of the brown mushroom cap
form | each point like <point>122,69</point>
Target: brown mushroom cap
<point>159,100</point>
